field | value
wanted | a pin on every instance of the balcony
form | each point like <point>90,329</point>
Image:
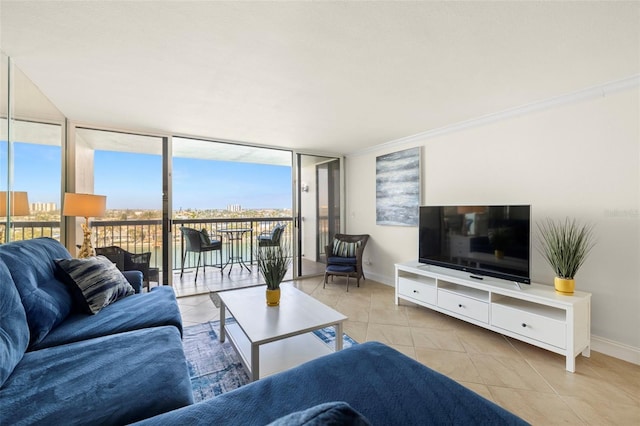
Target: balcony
<point>139,236</point>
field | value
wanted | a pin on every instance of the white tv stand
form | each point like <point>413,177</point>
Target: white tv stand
<point>535,313</point>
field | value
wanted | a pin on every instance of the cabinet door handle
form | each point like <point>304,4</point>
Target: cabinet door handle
<point>415,291</point>
<point>460,305</point>
<point>524,325</point>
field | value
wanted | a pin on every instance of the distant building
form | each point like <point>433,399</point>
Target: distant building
<point>234,207</point>
<point>43,207</point>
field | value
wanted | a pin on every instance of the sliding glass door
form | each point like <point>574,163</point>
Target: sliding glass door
<point>236,193</point>
<point>318,210</point>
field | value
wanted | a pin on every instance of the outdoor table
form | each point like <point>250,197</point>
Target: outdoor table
<point>235,237</point>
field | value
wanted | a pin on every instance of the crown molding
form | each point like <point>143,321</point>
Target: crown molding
<point>600,90</point>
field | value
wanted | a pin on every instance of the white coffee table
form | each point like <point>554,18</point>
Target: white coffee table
<point>273,339</point>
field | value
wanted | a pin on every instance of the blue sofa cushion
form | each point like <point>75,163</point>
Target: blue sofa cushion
<point>336,260</point>
<point>46,300</point>
<point>153,309</point>
<point>387,387</point>
<point>94,281</point>
<point>135,278</point>
<point>342,269</point>
<point>327,414</point>
<point>14,330</point>
<point>111,380</point>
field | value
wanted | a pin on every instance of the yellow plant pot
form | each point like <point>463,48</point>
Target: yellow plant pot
<point>273,297</point>
<point>564,286</point>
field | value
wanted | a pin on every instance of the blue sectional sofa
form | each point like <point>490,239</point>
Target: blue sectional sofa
<point>62,366</point>
<point>126,364</point>
<point>379,384</point>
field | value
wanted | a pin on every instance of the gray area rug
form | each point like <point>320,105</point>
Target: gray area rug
<point>214,367</point>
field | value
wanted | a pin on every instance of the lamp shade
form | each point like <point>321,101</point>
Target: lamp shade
<point>19,203</point>
<point>84,205</point>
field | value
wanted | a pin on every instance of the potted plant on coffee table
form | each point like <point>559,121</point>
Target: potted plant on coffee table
<point>273,264</point>
<point>565,246</point>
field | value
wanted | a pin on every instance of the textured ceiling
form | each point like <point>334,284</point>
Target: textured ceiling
<point>321,76</point>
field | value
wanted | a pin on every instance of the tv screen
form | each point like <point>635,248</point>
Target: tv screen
<point>483,240</point>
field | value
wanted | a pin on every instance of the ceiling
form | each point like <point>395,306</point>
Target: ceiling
<point>334,77</point>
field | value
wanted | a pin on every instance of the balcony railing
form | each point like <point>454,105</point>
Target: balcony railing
<point>140,236</point>
<point>28,230</point>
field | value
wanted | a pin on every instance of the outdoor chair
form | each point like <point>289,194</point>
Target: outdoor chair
<point>344,257</point>
<point>199,242</point>
<point>127,261</point>
<point>271,238</point>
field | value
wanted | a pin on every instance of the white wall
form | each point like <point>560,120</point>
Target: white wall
<point>580,159</point>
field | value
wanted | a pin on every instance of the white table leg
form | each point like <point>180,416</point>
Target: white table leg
<point>255,362</point>
<point>338,329</point>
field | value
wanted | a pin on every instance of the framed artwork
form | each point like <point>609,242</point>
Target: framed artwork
<point>398,188</point>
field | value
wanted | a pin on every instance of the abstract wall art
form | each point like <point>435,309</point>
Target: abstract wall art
<point>398,188</point>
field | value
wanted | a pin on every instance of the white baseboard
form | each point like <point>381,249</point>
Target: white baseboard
<point>617,350</point>
<point>599,344</point>
<point>382,279</point>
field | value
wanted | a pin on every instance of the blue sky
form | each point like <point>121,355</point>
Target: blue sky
<point>197,184</point>
<point>37,170</point>
<point>135,180</point>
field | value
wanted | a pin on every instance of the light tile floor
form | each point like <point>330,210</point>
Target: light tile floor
<point>524,379</point>
<point>210,279</point>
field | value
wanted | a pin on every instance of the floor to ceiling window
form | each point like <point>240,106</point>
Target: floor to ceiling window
<point>154,185</point>
<point>127,169</point>
<point>31,135</point>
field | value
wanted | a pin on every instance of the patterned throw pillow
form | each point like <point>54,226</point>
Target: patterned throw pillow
<point>95,281</point>
<point>344,248</point>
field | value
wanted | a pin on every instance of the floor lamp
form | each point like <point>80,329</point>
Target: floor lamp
<point>19,206</point>
<point>85,205</point>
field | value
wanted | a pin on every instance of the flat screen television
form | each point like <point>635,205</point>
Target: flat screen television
<point>490,241</point>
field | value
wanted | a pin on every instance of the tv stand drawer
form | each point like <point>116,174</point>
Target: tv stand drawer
<point>462,305</point>
<point>531,325</point>
<point>417,290</point>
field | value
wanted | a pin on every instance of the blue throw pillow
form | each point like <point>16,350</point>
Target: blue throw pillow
<point>46,300</point>
<point>95,281</point>
<point>14,330</point>
<point>327,414</point>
